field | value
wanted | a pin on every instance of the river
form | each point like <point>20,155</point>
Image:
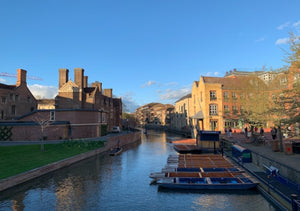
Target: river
<point>122,183</point>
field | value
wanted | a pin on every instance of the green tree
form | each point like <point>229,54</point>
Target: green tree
<point>283,109</point>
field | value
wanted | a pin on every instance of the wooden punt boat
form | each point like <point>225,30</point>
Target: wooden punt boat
<point>207,183</point>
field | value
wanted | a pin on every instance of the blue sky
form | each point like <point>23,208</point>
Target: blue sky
<point>145,50</point>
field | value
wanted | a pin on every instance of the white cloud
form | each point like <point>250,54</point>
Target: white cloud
<point>282,26</point>
<point>2,80</point>
<point>296,24</point>
<point>43,92</point>
<point>282,41</point>
<point>212,74</point>
<point>149,83</point>
<point>129,105</point>
<point>172,95</point>
<point>171,84</point>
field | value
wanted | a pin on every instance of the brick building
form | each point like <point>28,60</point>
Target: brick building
<point>78,111</point>
<point>78,95</point>
<point>16,100</point>
<point>219,102</point>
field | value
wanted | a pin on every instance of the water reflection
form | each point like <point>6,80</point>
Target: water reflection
<point>122,183</point>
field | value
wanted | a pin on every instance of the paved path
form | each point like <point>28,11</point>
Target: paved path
<point>291,161</point>
<point>266,150</point>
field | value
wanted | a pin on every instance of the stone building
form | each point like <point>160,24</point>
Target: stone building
<point>16,100</point>
<point>180,118</point>
<point>154,113</point>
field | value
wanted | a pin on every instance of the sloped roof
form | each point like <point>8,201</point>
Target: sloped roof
<point>234,82</point>
<point>198,115</point>
<point>184,97</point>
<point>4,86</point>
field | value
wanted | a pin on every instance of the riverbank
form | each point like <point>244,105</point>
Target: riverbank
<point>124,139</point>
<point>264,157</point>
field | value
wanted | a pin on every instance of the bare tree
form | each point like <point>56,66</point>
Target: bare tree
<point>43,122</point>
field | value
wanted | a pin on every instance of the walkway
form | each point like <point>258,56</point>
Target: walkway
<point>290,160</point>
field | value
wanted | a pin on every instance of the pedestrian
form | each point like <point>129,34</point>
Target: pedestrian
<point>246,132</point>
<point>261,131</point>
<point>230,132</point>
<point>274,133</point>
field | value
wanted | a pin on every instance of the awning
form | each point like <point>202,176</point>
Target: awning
<point>198,115</point>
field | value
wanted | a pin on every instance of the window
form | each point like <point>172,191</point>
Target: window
<point>242,95</point>
<point>225,95</point>
<point>52,115</point>
<point>283,81</point>
<point>16,97</point>
<point>234,109</point>
<point>242,109</point>
<point>11,96</point>
<point>28,99</point>
<point>226,108</point>
<point>103,117</point>
<point>213,109</point>
<point>213,95</point>
<point>213,124</point>
<point>13,110</point>
<point>3,100</point>
<point>234,97</point>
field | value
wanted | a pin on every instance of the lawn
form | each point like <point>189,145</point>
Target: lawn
<point>18,159</point>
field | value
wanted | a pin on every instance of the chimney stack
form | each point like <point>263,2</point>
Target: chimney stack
<point>108,93</point>
<point>63,76</point>
<point>85,82</point>
<point>99,85</point>
<point>78,73</point>
<point>21,77</point>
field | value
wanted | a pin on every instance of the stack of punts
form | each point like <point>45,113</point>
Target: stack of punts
<point>202,171</point>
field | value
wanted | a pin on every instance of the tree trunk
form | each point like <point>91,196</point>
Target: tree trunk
<point>280,139</point>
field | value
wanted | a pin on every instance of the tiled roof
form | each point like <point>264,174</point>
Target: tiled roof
<point>234,82</point>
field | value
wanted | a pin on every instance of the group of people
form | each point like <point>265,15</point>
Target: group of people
<point>228,131</point>
<point>247,131</point>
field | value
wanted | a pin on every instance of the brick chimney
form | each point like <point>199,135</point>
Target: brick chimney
<point>63,76</point>
<point>107,92</point>
<point>85,82</point>
<point>21,77</point>
<point>78,75</point>
<point>99,85</point>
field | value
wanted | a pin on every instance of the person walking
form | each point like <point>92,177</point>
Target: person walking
<point>274,133</point>
<point>230,132</point>
<point>261,131</point>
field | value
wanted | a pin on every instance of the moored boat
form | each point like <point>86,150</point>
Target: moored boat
<point>207,183</point>
<point>115,151</point>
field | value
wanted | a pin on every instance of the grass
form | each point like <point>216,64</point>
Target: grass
<point>18,159</point>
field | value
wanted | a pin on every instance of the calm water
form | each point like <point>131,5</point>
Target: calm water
<point>122,183</point>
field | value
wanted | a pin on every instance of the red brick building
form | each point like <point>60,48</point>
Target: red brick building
<point>78,111</point>
<point>16,100</point>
